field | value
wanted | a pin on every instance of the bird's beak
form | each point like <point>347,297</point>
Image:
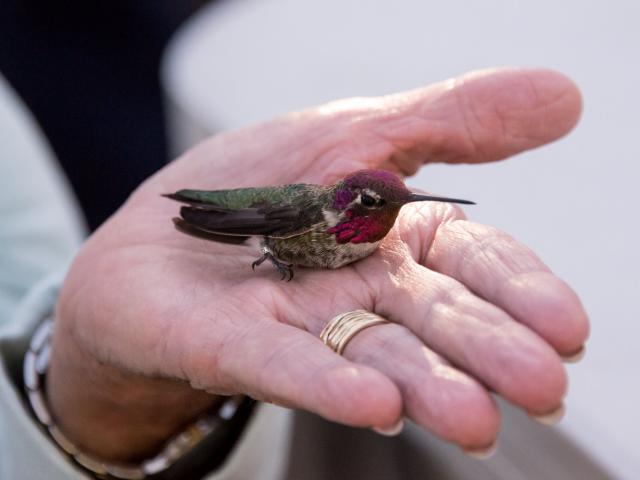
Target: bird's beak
<point>417,197</point>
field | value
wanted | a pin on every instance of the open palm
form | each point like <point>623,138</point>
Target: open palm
<point>471,310</point>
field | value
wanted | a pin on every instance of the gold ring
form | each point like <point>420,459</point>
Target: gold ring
<point>343,327</point>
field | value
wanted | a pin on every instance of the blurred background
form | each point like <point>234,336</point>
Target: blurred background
<point>120,87</point>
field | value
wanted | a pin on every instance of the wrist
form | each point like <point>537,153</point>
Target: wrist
<point>114,414</point>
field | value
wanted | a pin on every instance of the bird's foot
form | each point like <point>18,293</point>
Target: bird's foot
<point>285,269</point>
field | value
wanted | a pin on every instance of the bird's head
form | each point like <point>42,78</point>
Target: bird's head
<point>368,202</point>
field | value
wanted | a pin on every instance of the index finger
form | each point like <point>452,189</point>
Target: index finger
<point>482,116</point>
<point>506,273</point>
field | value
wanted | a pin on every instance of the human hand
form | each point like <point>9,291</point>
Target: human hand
<point>150,319</point>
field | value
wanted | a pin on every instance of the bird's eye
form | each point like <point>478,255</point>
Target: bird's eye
<point>367,200</point>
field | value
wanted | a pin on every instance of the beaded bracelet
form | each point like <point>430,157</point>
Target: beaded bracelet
<point>36,363</point>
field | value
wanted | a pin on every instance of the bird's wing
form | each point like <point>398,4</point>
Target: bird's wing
<point>276,212</point>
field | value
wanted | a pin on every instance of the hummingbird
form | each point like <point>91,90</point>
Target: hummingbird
<point>320,226</point>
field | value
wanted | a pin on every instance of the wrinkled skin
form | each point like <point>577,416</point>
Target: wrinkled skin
<point>150,319</point>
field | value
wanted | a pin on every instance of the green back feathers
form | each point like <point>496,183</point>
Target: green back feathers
<point>276,212</point>
<point>239,198</point>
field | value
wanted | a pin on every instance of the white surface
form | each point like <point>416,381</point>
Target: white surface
<point>574,201</point>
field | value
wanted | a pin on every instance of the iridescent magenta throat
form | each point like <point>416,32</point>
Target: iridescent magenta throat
<point>359,229</point>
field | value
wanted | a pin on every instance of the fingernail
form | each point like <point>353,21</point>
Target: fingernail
<point>575,357</point>
<point>482,453</point>
<point>550,418</point>
<point>391,431</point>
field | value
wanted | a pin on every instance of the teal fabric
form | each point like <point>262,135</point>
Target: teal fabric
<point>40,230</point>
<point>40,227</point>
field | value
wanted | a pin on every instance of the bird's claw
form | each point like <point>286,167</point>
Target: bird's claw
<point>285,269</point>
